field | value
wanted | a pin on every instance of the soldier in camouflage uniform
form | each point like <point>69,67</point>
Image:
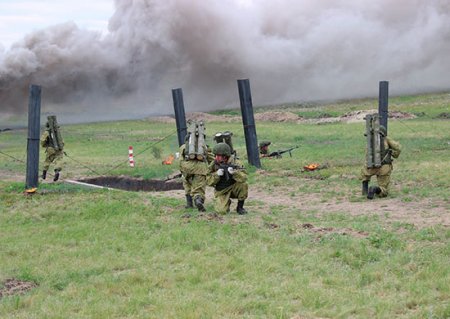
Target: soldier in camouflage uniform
<point>383,173</point>
<point>194,177</point>
<point>52,154</point>
<point>229,180</point>
<point>264,148</point>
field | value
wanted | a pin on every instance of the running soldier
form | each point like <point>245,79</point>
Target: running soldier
<point>53,143</point>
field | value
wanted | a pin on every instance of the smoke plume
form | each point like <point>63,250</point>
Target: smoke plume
<point>291,50</point>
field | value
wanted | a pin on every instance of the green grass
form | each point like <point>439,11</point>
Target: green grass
<point>117,254</point>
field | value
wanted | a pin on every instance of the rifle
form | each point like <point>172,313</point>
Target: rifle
<point>278,153</point>
<point>225,167</point>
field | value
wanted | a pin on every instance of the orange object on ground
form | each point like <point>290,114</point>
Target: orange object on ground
<point>311,167</point>
<point>168,160</point>
<point>30,191</point>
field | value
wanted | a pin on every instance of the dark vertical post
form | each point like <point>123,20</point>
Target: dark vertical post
<point>34,120</point>
<point>248,121</point>
<point>180,117</point>
<point>383,99</point>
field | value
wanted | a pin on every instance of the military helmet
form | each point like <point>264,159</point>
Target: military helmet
<point>383,130</point>
<point>222,149</point>
<point>264,143</point>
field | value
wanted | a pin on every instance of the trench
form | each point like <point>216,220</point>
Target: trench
<point>134,184</point>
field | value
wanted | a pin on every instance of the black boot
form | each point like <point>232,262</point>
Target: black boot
<point>189,202</point>
<point>44,174</point>
<point>199,204</point>
<point>372,191</point>
<point>56,177</point>
<point>365,187</point>
<point>240,207</point>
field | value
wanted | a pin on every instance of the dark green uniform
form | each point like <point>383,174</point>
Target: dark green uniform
<point>383,173</point>
<point>235,187</point>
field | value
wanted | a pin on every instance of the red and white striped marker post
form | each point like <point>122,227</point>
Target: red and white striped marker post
<point>130,156</point>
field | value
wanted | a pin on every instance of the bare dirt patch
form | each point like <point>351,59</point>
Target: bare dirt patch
<point>420,213</point>
<point>11,177</point>
<point>358,116</point>
<point>277,116</point>
<point>197,116</point>
<point>14,286</point>
<point>286,117</point>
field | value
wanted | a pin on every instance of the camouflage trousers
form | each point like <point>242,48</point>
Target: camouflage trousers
<point>383,175</point>
<point>194,185</point>
<point>55,157</point>
<point>222,199</point>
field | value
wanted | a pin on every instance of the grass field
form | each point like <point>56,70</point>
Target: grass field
<point>310,247</point>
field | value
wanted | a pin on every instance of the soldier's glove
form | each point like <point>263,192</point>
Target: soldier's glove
<point>220,172</point>
<point>231,170</point>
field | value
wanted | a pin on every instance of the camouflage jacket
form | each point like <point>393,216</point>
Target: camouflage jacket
<point>394,146</point>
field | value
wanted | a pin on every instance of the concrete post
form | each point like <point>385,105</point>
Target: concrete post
<point>180,118</point>
<point>34,119</point>
<point>383,101</point>
<point>248,121</point>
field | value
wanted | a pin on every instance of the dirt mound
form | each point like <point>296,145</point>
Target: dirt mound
<point>281,116</point>
<point>401,115</point>
<point>197,116</point>
<point>358,116</point>
<point>15,287</point>
<point>277,116</point>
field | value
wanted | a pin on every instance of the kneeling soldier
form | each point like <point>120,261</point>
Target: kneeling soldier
<point>229,180</point>
<point>389,149</point>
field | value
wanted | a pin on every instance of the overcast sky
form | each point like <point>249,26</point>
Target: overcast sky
<point>20,17</point>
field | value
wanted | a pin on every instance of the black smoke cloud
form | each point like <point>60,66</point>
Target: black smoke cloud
<point>292,50</point>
